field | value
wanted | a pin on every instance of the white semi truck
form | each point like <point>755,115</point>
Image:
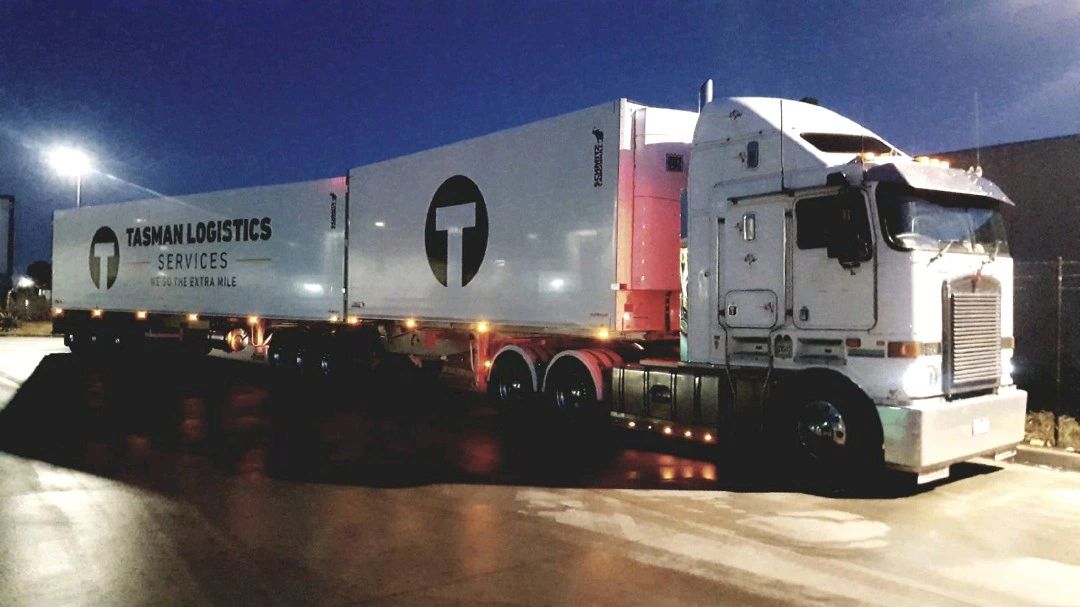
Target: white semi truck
<point>851,301</point>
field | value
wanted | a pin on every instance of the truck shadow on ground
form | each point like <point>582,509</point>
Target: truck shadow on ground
<point>156,418</point>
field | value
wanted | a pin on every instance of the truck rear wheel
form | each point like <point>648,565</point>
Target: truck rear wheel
<point>510,386</point>
<point>571,394</point>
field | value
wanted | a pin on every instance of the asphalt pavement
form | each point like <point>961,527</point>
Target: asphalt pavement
<point>163,480</point>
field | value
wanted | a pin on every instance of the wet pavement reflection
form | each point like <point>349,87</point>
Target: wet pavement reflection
<point>120,417</point>
<point>213,481</point>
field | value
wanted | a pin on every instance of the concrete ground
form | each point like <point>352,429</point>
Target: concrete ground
<point>163,481</point>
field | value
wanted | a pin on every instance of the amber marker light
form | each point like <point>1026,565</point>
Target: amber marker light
<point>632,424</point>
<point>354,320</point>
<point>141,315</point>
<point>57,312</point>
<point>487,364</point>
<point>253,320</point>
<point>667,430</point>
<point>410,323</point>
<point>482,327</point>
<point>193,317</point>
<point>603,333</point>
<point>97,313</point>
<point>333,318</point>
<point>904,349</point>
<point>688,434</point>
<point>707,438</point>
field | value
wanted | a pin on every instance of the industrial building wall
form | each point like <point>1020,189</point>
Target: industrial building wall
<point>1043,178</point>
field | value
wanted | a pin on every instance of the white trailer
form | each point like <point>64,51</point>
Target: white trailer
<point>849,301</point>
<point>569,223</point>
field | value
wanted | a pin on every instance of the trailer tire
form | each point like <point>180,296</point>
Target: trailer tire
<point>828,428</point>
<point>283,348</point>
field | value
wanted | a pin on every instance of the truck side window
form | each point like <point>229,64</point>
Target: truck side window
<point>814,219</point>
<point>837,222</point>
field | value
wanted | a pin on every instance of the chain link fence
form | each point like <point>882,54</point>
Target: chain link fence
<point>1047,329</point>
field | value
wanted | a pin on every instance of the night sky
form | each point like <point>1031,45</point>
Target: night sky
<point>181,97</point>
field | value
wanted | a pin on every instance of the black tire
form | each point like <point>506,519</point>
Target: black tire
<point>510,385</point>
<point>571,395</point>
<point>283,348</point>
<point>826,430</point>
<point>77,342</point>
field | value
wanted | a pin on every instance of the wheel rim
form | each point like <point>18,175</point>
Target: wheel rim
<point>510,389</point>
<point>573,393</point>
<point>821,429</point>
<point>512,383</point>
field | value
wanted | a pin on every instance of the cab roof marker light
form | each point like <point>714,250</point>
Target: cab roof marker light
<point>98,313</point>
<point>603,333</point>
<point>141,315</point>
<point>410,323</point>
<point>482,327</point>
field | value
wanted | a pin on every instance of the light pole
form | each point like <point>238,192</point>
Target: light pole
<point>70,162</point>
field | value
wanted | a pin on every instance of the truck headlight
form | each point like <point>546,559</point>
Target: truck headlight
<point>921,380</point>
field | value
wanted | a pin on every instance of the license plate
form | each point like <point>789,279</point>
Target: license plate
<point>980,425</point>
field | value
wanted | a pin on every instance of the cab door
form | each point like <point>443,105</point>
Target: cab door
<point>833,270</point>
<point>752,290</point>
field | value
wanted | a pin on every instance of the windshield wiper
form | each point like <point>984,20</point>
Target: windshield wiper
<point>993,255</point>
<point>941,252</point>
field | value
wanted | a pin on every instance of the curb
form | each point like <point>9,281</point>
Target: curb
<point>1053,458</point>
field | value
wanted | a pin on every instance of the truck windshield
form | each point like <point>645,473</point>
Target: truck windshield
<point>919,219</point>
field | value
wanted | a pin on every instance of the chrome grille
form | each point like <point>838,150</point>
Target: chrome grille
<point>973,352</point>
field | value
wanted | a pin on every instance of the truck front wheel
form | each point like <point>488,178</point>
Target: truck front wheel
<point>829,429</point>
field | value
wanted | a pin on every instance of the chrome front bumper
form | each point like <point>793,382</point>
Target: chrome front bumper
<point>930,434</point>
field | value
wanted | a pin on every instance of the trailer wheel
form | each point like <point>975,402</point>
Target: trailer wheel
<point>829,428</point>
<point>283,348</point>
<point>510,386</point>
<point>571,393</point>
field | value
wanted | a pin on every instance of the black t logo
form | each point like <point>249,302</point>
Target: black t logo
<point>456,232</point>
<point>104,258</point>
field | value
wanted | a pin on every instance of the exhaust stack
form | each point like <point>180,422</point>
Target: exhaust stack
<point>704,94</point>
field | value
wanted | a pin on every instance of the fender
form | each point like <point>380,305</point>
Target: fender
<point>596,361</point>
<point>535,357</point>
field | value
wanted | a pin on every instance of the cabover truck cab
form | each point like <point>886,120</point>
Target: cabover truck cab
<point>860,298</point>
<point>852,302</point>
